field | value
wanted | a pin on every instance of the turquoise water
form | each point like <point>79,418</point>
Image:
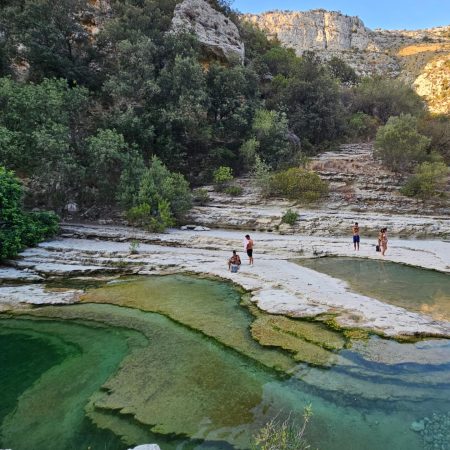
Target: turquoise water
<point>415,289</point>
<point>107,377</point>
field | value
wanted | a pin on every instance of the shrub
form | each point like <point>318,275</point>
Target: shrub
<point>383,98</point>
<point>201,197</point>
<point>399,145</point>
<point>222,176</point>
<point>234,191</point>
<point>248,153</point>
<point>159,186</point>
<point>429,180</point>
<point>437,128</point>
<point>19,229</point>
<point>134,247</point>
<point>298,184</point>
<point>361,125</point>
<point>289,217</point>
<point>286,435</point>
<point>152,220</point>
<point>261,176</point>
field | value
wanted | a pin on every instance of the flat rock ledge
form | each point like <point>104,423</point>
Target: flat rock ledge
<point>277,285</point>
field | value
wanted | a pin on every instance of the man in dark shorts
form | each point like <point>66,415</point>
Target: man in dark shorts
<point>355,230</point>
<point>249,248</point>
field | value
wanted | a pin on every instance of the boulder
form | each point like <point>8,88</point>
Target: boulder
<point>217,34</point>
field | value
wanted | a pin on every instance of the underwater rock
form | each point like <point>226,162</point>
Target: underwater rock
<point>146,447</point>
<point>418,426</point>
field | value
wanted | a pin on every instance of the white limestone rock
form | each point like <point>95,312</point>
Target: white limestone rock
<point>218,34</point>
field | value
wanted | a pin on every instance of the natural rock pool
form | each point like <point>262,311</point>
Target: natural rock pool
<point>412,288</point>
<point>190,363</point>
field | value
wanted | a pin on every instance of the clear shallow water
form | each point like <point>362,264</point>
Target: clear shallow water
<point>105,376</point>
<point>411,288</point>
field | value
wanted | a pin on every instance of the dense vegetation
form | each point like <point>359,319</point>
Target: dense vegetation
<point>19,229</point>
<point>134,116</point>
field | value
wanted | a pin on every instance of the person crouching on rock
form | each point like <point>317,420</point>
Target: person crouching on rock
<point>234,262</point>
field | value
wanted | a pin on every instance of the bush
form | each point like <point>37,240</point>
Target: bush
<point>19,229</point>
<point>437,128</point>
<point>159,186</point>
<point>399,145</point>
<point>152,220</point>
<point>361,125</point>
<point>430,179</point>
<point>234,191</point>
<point>289,217</point>
<point>261,176</point>
<point>201,197</point>
<point>134,247</point>
<point>222,176</point>
<point>298,184</point>
<point>383,98</point>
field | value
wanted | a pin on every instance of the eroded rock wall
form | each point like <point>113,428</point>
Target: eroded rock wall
<point>420,57</point>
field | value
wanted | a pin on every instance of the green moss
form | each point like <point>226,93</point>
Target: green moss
<point>309,342</point>
<point>205,305</point>
<point>172,370</point>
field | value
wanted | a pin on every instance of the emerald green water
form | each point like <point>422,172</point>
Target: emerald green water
<point>108,376</point>
<point>411,288</point>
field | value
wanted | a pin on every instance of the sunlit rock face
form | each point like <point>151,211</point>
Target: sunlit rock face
<point>217,34</point>
<point>419,57</point>
<point>315,30</point>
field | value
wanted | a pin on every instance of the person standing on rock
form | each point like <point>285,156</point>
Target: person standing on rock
<point>249,248</point>
<point>355,230</point>
<point>383,240</point>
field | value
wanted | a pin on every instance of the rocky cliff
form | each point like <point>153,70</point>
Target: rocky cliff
<point>216,33</point>
<point>420,57</point>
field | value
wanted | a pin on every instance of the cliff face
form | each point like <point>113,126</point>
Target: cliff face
<point>216,33</point>
<point>314,30</point>
<point>420,57</point>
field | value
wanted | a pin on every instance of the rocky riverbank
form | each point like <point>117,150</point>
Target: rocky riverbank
<point>277,285</point>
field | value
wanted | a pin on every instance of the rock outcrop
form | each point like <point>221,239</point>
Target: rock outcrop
<point>420,57</point>
<point>315,30</point>
<point>217,34</point>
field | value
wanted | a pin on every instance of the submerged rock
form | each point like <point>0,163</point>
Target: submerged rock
<point>418,426</point>
<point>146,447</point>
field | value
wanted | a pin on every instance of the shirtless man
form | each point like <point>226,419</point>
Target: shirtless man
<point>355,230</point>
<point>249,248</point>
<point>234,262</point>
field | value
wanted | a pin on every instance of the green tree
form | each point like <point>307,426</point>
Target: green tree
<point>399,145</point>
<point>437,128</point>
<point>271,131</point>
<point>222,176</point>
<point>362,126</point>
<point>383,98</point>
<point>51,37</point>
<point>342,71</point>
<point>108,152</point>
<point>19,229</point>
<point>312,101</point>
<point>159,184</point>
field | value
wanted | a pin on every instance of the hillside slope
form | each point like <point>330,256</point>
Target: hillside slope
<point>421,57</point>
